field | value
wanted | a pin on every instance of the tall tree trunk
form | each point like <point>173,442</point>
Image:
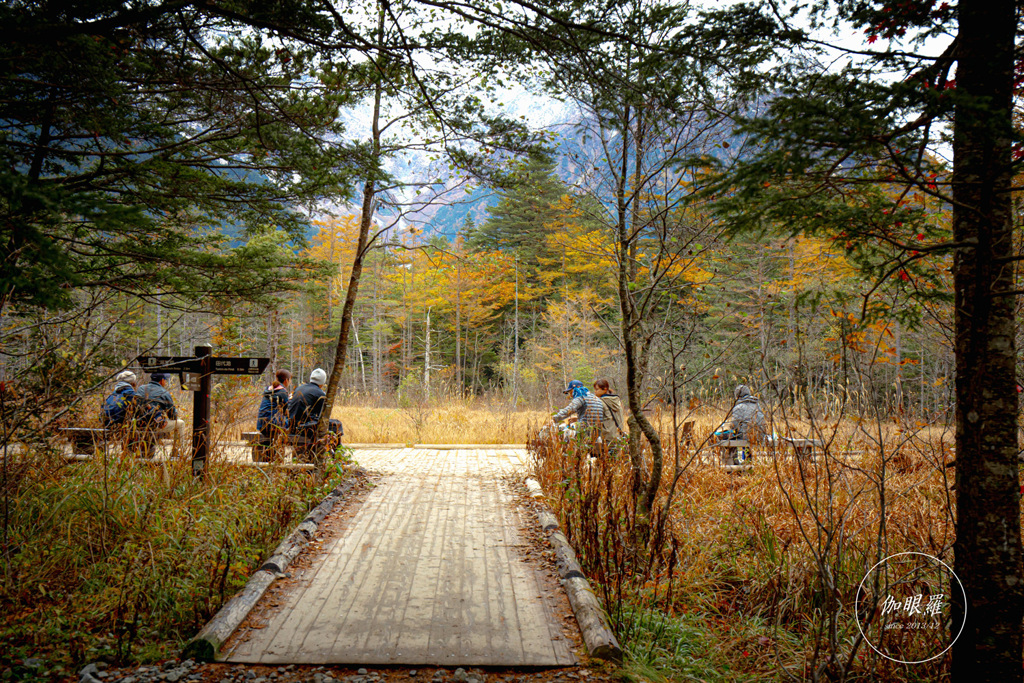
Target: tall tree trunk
<point>458,325</point>
<point>988,537</point>
<point>476,357</point>
<point>627,225</point>
<point>515,346</point>
<point>159,346</point>
<point>273,327</point>
<point>365,220</point>
<point>359,352</point>
<point>406,327</point>
<point>628,316</point>
<point>426,358</point>
<point>376,336</point>
<point>642,359</point>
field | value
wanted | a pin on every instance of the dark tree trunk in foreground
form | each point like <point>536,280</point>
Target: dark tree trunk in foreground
<point>627,232</point>
<point>365,221</point>
<point>988,540</point>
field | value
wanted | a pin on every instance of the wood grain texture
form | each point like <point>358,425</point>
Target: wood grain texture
<point>426,573</point>
<point>591,617</point>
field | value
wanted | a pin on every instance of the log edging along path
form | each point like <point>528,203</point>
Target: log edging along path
<point>205,645</point>
<point>591,617</point>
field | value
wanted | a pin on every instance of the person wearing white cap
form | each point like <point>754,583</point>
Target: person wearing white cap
<point>304,411</point>
<point>307,403</point>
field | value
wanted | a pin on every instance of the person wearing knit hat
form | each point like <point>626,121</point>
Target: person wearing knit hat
<point>126,376</point>
<point>115,408</point>
<point>307,403</point>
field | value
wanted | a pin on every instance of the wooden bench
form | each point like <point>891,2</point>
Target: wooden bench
<point>263,448</point>
<point>301,446</point>
<point>731,451</point>
<point>84,440</point>
<point>803,449</point>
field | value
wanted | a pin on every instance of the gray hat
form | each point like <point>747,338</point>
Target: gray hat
<point>126,376</point>
<point>318,376</point>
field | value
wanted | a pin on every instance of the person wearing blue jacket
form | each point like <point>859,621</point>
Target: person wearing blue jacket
<point>118,405</point>
<point>157,413</point>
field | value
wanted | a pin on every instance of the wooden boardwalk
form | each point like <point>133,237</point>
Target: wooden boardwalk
<point>427,572</point>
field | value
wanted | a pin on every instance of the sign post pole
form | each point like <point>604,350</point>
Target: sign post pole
<point>201,411</point>
<point>203,366</point>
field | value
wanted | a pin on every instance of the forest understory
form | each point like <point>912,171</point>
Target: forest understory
<point>732,575</point>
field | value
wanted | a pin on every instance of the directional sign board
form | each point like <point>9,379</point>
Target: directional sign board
<point>239,366</point>
<point>170,364</point>
<point>220,365</point>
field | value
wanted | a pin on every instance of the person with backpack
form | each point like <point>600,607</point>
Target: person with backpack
<point>307,404</point>
<point>304,411</point>
<point>613,424</point>
<point>156,412</point>
<point>116,407</point>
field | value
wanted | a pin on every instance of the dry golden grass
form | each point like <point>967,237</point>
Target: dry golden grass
<point>752,549</point>
<point>445,425</point>
<point>454,422</point>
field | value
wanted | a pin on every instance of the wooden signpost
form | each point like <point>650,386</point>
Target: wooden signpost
<point>195,374</point>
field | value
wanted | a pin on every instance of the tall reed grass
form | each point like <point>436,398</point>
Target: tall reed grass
<point>755,572</point>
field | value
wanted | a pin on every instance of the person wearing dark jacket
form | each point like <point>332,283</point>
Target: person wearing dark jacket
<point>304,411</point>
<point>119,404</point>
<point>154,399</point>
<point>273,412</point>
<point>307,403</point>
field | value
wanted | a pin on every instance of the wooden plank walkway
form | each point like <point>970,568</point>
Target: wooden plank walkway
<point>427,573</point>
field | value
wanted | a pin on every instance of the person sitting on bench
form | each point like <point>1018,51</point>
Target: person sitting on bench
<point>116,407</point>
<point>746,416</point>
<point>155,408</point>
<point>273,412</point>
<point>307,405</point>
